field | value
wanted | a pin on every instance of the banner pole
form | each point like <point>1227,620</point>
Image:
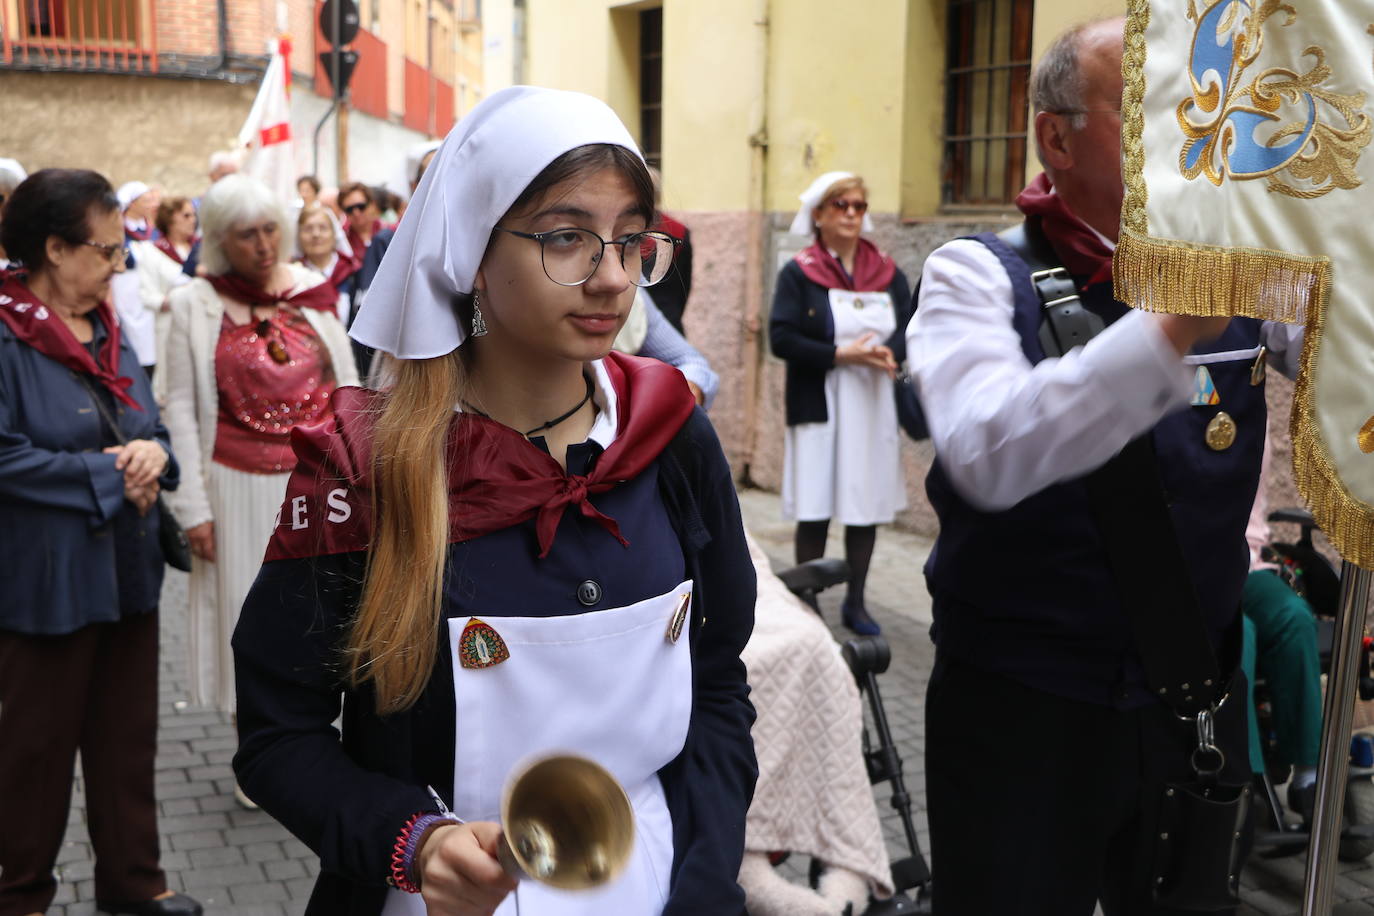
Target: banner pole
<point>1335,747</point>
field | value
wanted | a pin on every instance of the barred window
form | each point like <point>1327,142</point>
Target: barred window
<point>651,85</point>
<point>987,80</point>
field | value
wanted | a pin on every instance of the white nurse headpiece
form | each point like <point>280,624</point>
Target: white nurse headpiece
<point>484,164</point>
<point>129,192</point>
<point>802,223</point>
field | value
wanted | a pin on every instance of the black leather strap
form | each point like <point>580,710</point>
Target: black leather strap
<point>1066,323</point>
<point>1132,513</point>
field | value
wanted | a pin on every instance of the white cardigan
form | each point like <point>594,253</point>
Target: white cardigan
<point>192,395</point>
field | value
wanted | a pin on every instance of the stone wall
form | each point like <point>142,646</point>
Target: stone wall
<point>157,130</point>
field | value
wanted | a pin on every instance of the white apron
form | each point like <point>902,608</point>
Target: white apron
<point>849,468</point>
<point>608,685</point>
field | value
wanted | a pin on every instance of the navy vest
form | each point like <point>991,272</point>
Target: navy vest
<point>1026,592</point>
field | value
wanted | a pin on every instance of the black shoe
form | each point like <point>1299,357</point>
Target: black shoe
<point>175,905</point>
<point>856,618</point>
<point>1303,802</point>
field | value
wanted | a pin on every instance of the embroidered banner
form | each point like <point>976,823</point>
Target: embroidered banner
<point>1245,134</point>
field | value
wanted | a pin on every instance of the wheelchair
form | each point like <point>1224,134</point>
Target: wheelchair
<point>1312,576</point>
<point>868,657</point>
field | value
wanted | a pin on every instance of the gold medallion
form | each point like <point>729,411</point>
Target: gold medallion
<point>1366,436</point>
<point>1221,432</point>
<point>679,618</point>
<point>1257,369</point>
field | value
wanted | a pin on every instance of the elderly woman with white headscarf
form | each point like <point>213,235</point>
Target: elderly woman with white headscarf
<point>526,544</point>
<point>12,174</point>
<point>255,350</point>
<point>839,313</point>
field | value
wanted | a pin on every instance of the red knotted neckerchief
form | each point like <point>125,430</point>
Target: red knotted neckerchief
<point>345,266</point>
<point>36,325</point>
<point>496,477</point>
<point>873,270</point>
<point>1082,250</point>
<point>321,296</point>
<point>166,247</point>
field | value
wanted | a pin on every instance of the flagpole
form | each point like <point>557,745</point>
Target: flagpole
<point>1335,747</point>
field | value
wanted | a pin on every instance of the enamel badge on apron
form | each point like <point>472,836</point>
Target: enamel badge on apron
<point>480,646</point>
<point>1204,390</point>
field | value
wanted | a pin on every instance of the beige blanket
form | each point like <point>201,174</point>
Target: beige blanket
<point>813,794</point>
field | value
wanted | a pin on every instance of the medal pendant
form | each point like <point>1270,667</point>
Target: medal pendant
<point>1221,432</point>
<point>679,619</point>
<point>277,351</point>
<point>1204,390</point>
<point>480,646</point>
<point>1366,436</point>
<point>1257,368</point>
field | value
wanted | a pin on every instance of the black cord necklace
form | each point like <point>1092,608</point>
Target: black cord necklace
<point>551,423</point>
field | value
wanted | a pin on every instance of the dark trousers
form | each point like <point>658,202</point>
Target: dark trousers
<point>95,691</point>
<point>1044,805</point>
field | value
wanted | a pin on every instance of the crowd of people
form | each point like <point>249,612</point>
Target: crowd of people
<point>468,432</point>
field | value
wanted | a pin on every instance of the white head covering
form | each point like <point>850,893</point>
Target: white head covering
<point>484,164</point>
<point>414,156</point>
<point>14,168</point>
<point>129,192</point>
<point>802,223</point>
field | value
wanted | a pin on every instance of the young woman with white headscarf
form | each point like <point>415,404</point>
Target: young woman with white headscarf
<point>527,543</point>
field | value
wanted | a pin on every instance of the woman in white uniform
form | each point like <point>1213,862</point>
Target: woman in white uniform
<point>839,308</point>
<point>526,544</point>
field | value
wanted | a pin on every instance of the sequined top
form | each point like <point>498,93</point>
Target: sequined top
<point>272,374</point>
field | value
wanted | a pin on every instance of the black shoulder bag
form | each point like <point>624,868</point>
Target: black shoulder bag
<point>1200,846</point>
<point>176,549</point>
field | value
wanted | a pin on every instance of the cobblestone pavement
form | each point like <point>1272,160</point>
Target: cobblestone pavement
<point>242,863</point>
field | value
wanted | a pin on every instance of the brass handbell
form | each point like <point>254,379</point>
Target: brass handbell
<point>568,824</point>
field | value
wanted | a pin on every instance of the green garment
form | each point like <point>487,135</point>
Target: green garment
<point>1281,639</point>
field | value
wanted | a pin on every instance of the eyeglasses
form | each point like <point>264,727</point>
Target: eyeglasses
<point>116,253</point>
<point>570,256</point>
<point>858,206</point>
<point>355,208</point>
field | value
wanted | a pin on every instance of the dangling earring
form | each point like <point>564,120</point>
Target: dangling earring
<point>479,327</point>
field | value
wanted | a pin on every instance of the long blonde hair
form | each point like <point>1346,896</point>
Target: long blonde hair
<point>394,638</point>
<point>395,634</point>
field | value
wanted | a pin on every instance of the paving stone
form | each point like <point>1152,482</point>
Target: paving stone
<point>260,893</point>
<point>216,856</point>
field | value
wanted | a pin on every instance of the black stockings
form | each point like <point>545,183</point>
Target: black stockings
<point>858,550</point>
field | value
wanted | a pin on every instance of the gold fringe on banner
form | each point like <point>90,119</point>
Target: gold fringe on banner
<point>1188,278</point>
<point>1347,521</point>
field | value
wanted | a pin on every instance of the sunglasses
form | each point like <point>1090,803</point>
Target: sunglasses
<point>355,208</point>
<point>858,206</point>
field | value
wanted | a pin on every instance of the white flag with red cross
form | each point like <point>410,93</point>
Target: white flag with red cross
<point>269,152</point>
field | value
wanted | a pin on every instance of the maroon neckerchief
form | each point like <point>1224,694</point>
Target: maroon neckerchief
<point>345,266</point>
<point>138,235</point>
<point>356,241</point>
<point>165,246</point>
<point>36,325</point>
<point>1081,250</point>
<point>873,270</point>
<point>497,478</point>
<point>321,296</point>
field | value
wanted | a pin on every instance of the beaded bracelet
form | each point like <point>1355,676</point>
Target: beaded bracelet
<point>407,844</point>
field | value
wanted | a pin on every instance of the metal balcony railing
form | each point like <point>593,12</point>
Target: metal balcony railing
<point>106,36</point>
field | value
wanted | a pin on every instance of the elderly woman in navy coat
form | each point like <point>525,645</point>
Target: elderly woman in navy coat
<point>82,566</point>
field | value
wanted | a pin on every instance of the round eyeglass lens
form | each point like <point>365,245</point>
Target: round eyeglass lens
<point>647,257</point>
<point>571,255</point>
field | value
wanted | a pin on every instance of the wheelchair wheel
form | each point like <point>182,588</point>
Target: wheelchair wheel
<point>1359,811</point>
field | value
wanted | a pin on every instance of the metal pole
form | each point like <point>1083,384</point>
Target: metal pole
<point>1335,747</point>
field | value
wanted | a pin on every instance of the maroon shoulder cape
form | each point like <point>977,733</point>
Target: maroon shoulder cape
<point>873,270</point>
<point>504,480</point>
